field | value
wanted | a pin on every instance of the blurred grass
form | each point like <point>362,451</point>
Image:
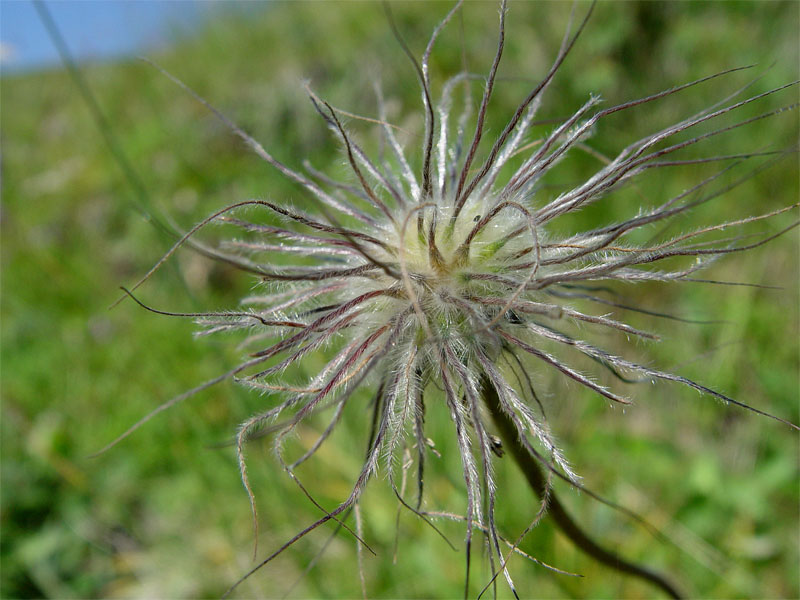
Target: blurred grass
<point>164,515</point>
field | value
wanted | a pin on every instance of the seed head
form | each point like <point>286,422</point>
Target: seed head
<point>451,276</point>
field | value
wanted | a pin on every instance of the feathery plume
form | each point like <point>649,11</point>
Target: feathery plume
<point>439,280</point>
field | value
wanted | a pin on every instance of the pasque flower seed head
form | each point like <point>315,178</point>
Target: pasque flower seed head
<point>439,285</point>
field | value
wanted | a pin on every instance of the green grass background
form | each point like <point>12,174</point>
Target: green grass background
<point>164,514</point>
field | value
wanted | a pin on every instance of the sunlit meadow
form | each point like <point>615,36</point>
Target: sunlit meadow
<point>163,513</point>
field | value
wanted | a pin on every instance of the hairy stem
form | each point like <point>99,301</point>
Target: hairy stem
<point>536,479</point>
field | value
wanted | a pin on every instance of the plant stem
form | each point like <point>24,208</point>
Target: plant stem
<point>533,473</point>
